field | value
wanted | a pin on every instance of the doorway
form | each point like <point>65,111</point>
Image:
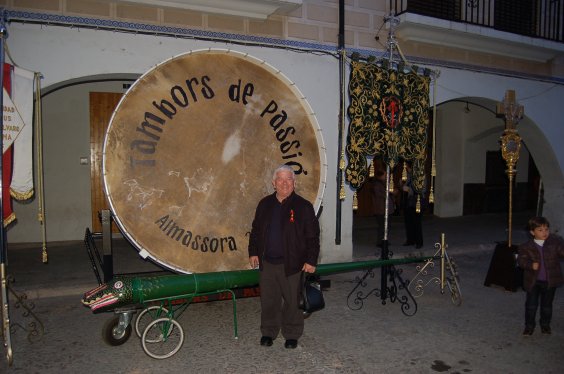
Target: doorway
<point>492,196</point>
<point>102,106</point>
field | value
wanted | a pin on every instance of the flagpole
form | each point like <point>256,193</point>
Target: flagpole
<point>3,252</point>
<point>385,252</point>
<point>340,151</point>
<point>3,244</point>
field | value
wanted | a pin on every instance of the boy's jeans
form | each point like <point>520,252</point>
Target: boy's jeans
<point>546,295</point>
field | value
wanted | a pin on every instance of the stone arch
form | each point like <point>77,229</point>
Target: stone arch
<point>90,79</point>
<point>465,121</point>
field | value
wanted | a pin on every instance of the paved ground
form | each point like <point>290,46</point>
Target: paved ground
<point>483,335</point>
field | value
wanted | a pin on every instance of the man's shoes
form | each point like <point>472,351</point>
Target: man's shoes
<point>407,243</point>
<point>528,331</point>
<point>546,330</point>
<point>291,343</point>
<point>266,341</point>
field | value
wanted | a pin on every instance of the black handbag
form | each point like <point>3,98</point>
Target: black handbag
<point>311,298</point>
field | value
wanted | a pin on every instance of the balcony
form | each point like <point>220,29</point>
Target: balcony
<point>528,29</point>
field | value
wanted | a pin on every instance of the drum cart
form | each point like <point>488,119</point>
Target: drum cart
<point>156,323</point>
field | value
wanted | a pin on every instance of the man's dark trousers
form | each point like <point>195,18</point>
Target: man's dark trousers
<point>277,288</point>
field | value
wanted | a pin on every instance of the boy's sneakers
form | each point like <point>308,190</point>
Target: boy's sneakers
<point>528,331</point>
<point>546,330</point>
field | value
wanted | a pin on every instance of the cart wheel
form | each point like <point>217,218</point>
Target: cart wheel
<point>162,338</point>
<point>115,334</point>
<point>146,316</point>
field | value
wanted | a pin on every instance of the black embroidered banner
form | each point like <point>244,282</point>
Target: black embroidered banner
<point>389,116</point>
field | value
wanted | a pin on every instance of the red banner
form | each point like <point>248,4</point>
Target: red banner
<point>8,213</point>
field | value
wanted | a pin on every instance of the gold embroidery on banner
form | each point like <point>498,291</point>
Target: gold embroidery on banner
<point>21,196</point>
<point>389,116</point>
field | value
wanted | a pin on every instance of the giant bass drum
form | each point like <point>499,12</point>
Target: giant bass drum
<point>191,148</point>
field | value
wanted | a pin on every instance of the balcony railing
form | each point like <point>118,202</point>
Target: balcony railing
<point>535,18</point>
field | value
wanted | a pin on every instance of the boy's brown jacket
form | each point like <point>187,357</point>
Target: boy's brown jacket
<point>553,251</point>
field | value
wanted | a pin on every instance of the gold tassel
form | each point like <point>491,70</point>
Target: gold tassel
<point>342,190</point>
<point>391,190</point>
<point>404,172</point>
<point>44,255</point>
<point>431,196</point>
<point>355,201</point>
<point>418,205</point>
<point>371,170</point>
<point>342,161</point>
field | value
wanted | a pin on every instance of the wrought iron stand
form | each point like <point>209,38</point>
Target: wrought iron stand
<point>395,288</point>
<point>35,329</point>
<point>448,277</point>
<point>392,290</point>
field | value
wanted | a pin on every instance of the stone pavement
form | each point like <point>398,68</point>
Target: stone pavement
<point>482,335</point>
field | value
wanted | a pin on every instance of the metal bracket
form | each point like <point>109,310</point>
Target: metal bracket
<point>107,249</point>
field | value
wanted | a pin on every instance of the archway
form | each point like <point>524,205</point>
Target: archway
<point>468,160</point>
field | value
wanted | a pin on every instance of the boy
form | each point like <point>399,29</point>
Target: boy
<point>540,260</point>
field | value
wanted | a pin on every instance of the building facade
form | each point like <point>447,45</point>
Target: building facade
<point>84,46</point>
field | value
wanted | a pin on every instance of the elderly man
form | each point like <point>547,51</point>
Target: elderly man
<point>284,241</point>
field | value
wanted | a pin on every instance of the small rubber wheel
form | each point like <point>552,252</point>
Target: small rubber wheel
<point>112,334</point>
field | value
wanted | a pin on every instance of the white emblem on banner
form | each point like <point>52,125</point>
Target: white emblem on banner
<point>13,123</point>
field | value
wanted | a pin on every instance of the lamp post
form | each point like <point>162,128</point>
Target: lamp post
<point>510,144</point>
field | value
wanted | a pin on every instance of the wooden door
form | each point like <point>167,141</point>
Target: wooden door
<point>102,105</point>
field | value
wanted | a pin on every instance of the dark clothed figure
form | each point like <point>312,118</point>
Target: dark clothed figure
<point>284,241</point>
<point>412,218</point>
<point>540,260</point>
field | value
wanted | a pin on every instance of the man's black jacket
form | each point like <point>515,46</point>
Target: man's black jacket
<point>300,232</point>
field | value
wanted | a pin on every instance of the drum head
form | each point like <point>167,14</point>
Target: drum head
<point>191,148</point>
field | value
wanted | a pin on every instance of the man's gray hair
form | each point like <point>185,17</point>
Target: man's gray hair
<point>284,168</point>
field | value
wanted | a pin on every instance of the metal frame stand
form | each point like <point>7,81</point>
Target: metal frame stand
<point>34,329</point>
<point>101,263</point>
<point>392,290</point>
<point>448,277</point>
<point>107,248</point>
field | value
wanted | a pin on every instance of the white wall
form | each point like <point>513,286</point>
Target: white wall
<point>450,163</point>
<point>62,54</point>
